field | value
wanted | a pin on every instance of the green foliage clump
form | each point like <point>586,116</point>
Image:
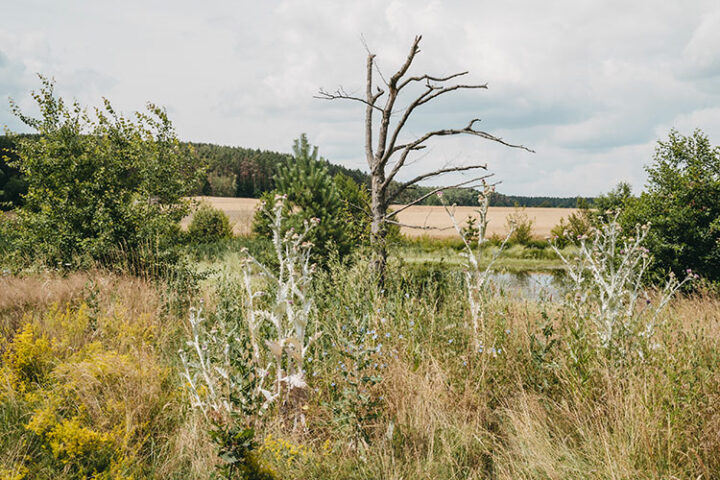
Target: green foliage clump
<point>221,185</point>
<point>99,184</point>
<point>312,193</point>
<point>617,199</point>
<point>471,231</point>
<point>356,209</point>
<point>681,203</point>
<point>521,226</point>
<point>239,452</point>
<point>209,225</point>
<point>569,232</point>
<point>12,185</point>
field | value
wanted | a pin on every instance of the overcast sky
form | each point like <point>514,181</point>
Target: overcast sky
<point>591,86</point>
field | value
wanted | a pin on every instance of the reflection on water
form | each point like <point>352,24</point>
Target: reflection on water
<point>541,286</point>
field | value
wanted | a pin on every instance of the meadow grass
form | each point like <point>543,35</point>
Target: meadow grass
<point>91,385</point>
<point>516,258</point>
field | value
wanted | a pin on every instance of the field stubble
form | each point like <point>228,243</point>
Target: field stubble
<point>241,212</point>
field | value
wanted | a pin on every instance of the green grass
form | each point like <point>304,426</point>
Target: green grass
<point>516,258</point>
<point>536,257</point>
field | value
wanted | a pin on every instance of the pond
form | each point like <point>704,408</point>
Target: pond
<point>544,286</point>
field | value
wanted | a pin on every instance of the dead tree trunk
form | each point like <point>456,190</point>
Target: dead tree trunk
<point>387,155</point>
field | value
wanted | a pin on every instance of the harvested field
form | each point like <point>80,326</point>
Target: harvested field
<point>434,219</point>
<point>437,219</point>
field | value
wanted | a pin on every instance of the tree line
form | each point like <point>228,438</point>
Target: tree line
<point>246,172</point>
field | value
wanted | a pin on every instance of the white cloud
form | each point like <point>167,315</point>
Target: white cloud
<point>702,50</point>
<point>588,85</point>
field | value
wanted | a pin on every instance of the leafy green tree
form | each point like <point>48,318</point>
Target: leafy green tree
<point>682,205</point>
<point>313,193</point>
<point>605,206</point>
<point>221,185</point>
<point>521,226</point>
<point>102,183</point>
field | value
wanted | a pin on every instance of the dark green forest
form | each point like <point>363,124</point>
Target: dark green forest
<point>12,185</point>
<point>247,172</point>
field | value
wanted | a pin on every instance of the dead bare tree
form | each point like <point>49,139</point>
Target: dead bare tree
<point>389,155</point>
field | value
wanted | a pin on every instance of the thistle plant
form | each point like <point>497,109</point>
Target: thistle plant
<point>477,278</point>
<point>237,368</point>
<point>279,352</point>
<point>607,284</point>
<point>212,376</point>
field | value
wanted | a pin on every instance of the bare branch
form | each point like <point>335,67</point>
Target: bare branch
<point>364,43</point>
<point>430,78</point>
<point>419,227</point>
<point>414,50</point>
<point>362,209</point>
<point>422,99</point>
<point>469,130</point>
<point>434,173</point>
<point>393,139</point>
<point>340,94</point>
<point>381,159</point>
<point>443,90</point>
<point>435,190</point>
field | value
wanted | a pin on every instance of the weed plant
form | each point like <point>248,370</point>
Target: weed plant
<point>92,386</point>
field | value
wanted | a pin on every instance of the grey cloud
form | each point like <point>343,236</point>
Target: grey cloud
<point>589,85</point>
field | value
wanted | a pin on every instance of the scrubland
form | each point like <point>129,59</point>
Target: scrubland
<point>90,383</point>
<point>131,349</point>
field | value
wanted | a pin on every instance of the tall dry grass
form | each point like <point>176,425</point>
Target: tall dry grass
<point>537,402</point>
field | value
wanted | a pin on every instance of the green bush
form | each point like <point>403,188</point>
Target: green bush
<point>99,184</point>
<point>522,233</point>
<point>682,204</point>
<point>209,225</point>
<point>12,185</point>
<point>569,232</point>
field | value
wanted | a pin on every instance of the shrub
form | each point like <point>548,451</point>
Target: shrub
<point>520,226</point>
<point>209,225</point>
<point>356,210</point>
<point>607,205</point>
<point>471,231</point>
<point>577,226</point>
<point>221,185</point>
<point>12,185</point>
<point>99,184</point>
<point>682,203</point>
<point>311,192</point>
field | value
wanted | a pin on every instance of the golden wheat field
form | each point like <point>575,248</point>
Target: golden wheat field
<point>434,220</point>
